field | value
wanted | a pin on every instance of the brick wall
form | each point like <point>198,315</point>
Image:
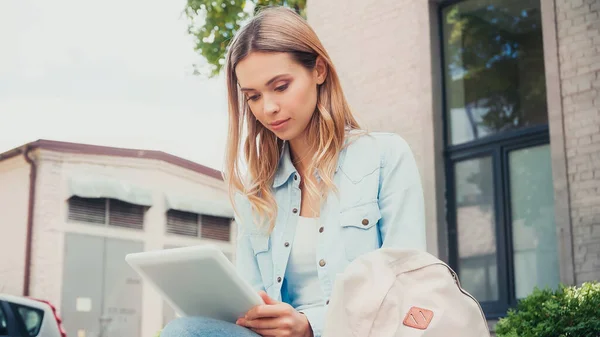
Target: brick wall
<point>383,54</point>
<point>14,196</point>
<point>578,31</point>
<point>47,245</point>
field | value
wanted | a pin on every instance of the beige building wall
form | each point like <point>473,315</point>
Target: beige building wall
<point>578,40</point>
<point>51,212</point>
<point>388,59</point>
<point>14,193</point>
<point>383,55</point>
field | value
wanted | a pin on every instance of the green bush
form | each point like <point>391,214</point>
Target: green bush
<point>565,312</point>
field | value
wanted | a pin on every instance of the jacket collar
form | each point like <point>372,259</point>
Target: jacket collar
<point>286,168</point>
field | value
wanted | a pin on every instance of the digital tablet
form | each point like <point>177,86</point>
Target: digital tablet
<point>196,281</point>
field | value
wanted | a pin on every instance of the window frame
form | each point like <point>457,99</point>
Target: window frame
<point>498,146</point>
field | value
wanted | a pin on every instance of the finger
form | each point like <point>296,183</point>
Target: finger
<point>266,298</point>
<point>262,323</point>
<point>268,311</point>
<point>266,332</point>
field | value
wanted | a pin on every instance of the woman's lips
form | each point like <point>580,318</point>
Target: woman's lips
<point>280,124</point>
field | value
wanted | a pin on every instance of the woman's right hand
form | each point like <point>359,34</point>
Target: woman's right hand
<point>276,319</point>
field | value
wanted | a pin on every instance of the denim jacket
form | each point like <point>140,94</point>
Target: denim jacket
<point>379,204</point>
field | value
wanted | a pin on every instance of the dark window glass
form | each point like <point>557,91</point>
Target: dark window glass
<point>494,67</point>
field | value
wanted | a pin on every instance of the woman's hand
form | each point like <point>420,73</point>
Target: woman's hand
<point>276,319</point>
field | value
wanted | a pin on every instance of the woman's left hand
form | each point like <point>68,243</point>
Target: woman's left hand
<point>276,319</point>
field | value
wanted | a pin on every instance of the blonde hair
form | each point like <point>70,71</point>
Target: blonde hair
<point>277,29</point>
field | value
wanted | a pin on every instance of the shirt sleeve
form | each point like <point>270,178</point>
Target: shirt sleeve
<point>401,202</point>
<point>316,318</point>
<point>246,263</point>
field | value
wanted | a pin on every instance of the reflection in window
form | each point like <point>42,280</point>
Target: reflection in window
<point>535,246</point>
<point>494,67</point>
<point>476,227</point>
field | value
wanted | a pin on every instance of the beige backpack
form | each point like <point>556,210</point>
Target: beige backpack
<point>402,293</point>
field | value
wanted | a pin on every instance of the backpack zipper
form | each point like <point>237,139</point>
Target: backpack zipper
<point>455,277</point>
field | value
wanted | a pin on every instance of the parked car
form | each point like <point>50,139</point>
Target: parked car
<point>28,317</point>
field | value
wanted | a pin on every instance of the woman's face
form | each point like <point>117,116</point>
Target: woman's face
<point>281,93</point>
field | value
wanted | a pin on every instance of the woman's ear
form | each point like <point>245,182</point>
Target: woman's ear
<point>321,70</point>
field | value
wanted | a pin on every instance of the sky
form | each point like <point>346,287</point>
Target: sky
<point>114,73</point>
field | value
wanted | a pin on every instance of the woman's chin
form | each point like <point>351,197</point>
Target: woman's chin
<point>284,134</point>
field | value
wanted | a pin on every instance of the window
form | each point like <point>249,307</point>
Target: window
<point>494,68</point>
<point>182,223</point>
<point>31,318</point>
<point>190,224</point>
<point>88,210</point>
<point>500,203</point>
<point>104,211</point>
<point>215,228</point>
<point>124,214</point>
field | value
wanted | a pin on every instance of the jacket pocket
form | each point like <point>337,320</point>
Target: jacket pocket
<point>359,229</point>
<point>262,253</point>
<point>359,184</point>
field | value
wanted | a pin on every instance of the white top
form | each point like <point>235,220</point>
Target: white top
<point>301,273</point>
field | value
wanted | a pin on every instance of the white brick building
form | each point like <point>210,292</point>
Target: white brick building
<point>500,101</point>
<point>90,206</point>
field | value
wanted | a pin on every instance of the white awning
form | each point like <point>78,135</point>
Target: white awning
<point>95,186</point>
<point>214,205</point>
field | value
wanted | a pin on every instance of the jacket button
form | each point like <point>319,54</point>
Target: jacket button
<point>279,279</point>
<point>295,177</point>
<point>365,222</point>
<point>295,210</point>
<point>322,263</point>
<point>287,244</point>
<point>327,303</point>
<point>321,230</point>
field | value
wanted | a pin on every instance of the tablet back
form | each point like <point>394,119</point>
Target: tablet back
<point>196,281</point>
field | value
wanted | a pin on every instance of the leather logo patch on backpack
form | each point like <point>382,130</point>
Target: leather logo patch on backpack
<point>418,318</point>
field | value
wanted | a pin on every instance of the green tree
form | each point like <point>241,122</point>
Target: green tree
<point>213,23</point>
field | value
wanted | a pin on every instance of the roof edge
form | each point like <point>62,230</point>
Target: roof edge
<point>79,148</point>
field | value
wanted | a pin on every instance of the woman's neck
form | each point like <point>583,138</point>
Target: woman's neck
<point>301,154</point>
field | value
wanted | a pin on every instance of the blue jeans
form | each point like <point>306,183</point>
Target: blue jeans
<point>204,327</point>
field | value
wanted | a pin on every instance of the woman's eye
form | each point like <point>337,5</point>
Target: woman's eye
<point>253,98</point>
<point>282,87</point>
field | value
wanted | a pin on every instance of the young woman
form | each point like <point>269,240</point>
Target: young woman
<point>317,193</point>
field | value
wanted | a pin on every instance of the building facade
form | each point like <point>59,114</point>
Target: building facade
<point>500,102</point>
<point>71,212</point>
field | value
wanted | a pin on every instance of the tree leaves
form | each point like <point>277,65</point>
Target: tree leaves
<point>213,23</point>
